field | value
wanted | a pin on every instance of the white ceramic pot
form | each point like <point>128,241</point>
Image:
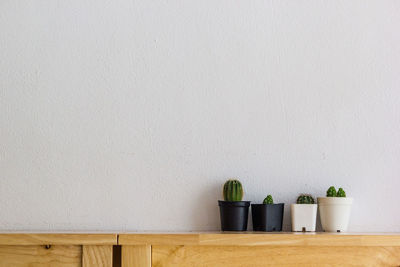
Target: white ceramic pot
<point>304,217</point>
<point>334,213</point>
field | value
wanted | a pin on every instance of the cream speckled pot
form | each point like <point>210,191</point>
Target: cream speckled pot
<point>335,213</point>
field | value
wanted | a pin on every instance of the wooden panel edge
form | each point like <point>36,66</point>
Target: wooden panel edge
<point>58,239</point>
<point>261,239</point>
<point>158,239</point>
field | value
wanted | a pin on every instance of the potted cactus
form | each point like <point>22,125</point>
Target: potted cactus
<point>233,211</point>
<point>267,216</point>
<point>334,210</point>
<point>304,214</point>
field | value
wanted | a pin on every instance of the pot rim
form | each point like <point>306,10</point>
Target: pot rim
<point>234,203</point>
<point>262,204</point>
<point>296,204</point>
<point>335,200</point>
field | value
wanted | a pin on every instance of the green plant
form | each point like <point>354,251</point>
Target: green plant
<point>305,199</point>
<point>341,193</point>
<point>331,192</point>
<point>233,190</point>
<point>268,200</point>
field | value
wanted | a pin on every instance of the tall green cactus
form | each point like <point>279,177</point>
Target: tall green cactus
<point>305,199</point>
<point>331,192</point>
<point>341,193</point>
<point>268,200</point>
<point>233,190</point>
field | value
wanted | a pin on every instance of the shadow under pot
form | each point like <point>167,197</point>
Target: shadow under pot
<point>234,215</point>
<point>267,217</point>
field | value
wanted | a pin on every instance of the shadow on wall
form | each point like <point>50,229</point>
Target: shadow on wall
<point>318,227</point>
<point>287,225</point>
<point>206,208</point>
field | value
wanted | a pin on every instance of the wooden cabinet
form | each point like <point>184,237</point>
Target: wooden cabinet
<point>57,250</point>
<point>214,249</point>
<point>259,249</point>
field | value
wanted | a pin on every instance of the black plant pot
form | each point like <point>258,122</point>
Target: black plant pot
<point>267,217</point>
<point>234,215</point>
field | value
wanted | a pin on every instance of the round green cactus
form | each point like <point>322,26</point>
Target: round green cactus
<point>268,200</point>
<point>305,199</point>
<point>331,192</point>
<point>341,193</point>
<point>233,190</point>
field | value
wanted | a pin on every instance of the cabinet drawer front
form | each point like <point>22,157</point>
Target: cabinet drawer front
<point>41,256</point>
<point>235,256</point>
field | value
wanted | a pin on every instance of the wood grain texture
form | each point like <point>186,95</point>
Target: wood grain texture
<point>39,256</point>
<point>159,239</point>
<point>234,256</point>
<point>97,256</point>
<point>136,256</point>
<point>58,239</point>
<point>262,239</point>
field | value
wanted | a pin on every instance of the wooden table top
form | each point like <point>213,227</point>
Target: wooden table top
<point>205,239</point>
<point>261,239</point>
<point>58,239</point>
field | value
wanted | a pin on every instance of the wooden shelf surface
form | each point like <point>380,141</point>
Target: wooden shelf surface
<point>57,239</point>
<point>262,239</point>
<point>206,239</point>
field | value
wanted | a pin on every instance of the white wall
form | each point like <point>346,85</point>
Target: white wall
<point>129,115</point>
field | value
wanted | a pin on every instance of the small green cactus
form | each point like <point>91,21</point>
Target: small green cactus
<point>341,193</point>
<point>268,200</point>
<point>233,190</point>
<point>331,192</point>
<point>305,199</point>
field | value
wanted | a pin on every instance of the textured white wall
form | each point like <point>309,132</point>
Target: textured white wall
<point>129,115</point>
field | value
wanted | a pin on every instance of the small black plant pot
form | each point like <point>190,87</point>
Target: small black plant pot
<point>234,215</point>
<point>267,217</point>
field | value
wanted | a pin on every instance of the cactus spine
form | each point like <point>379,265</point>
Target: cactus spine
<point>233,190</point>
<point>305,199</point>
<point>331,192</point>
<point>268,200</point>
<point>341,193</point>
